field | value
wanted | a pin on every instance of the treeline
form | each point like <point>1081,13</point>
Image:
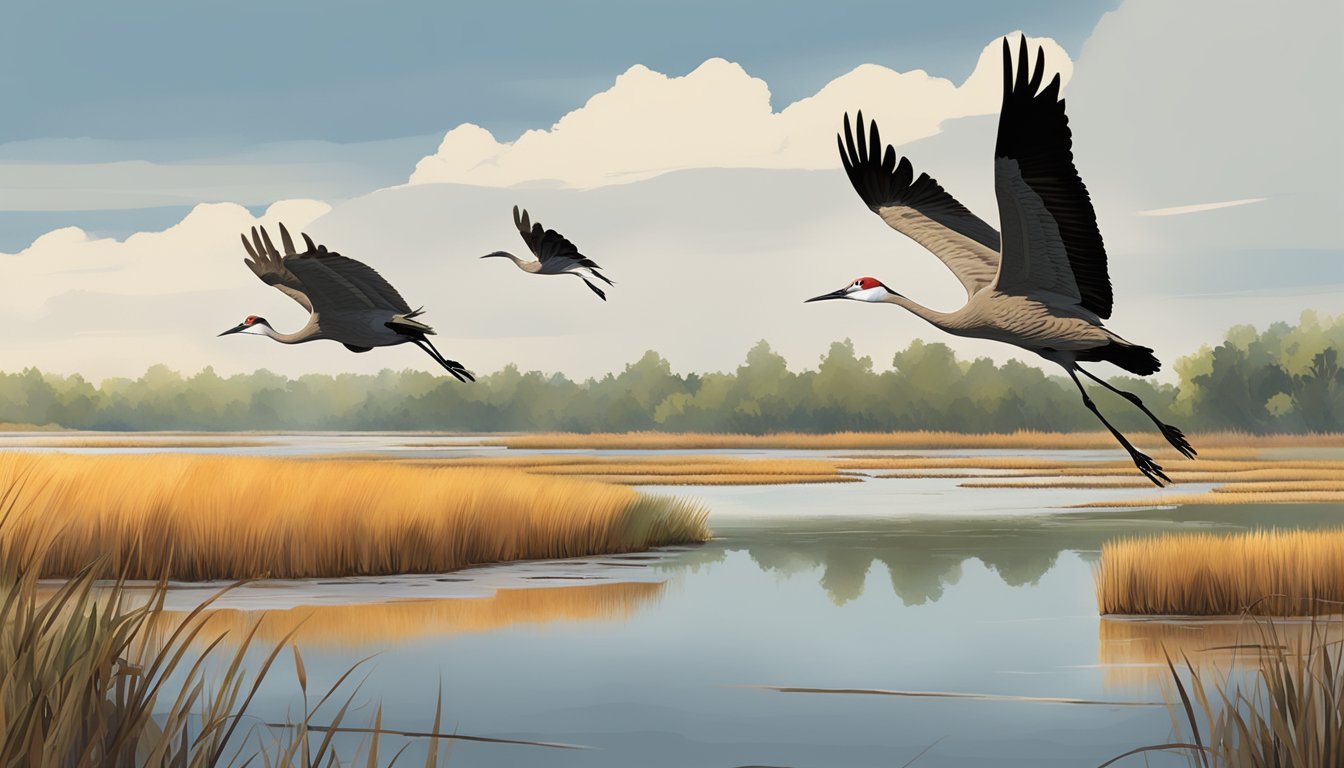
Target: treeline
<point>1284,379</point>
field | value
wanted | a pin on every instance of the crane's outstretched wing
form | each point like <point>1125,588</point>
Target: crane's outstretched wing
<point>331,282</point>
<point>270,267</point>
<point>555,252</point>
<point>919,208</point>
<point>1050,239</point>
<point>361,276</point>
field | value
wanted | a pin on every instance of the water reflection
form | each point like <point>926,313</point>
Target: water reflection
<point>378,624</point>
<point>924,556</point>
<point>1134,652</point>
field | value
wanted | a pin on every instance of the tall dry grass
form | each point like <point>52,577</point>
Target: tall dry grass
<point>1288,713</point>
<point>901,440</point>
<point>215,517</point>
<point>1271,573</point>
<point>84,673</point>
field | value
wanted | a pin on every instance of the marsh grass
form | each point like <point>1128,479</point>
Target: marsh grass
<point>97,674</point>
<point>215,517</point>
<point>1288,712</point>
<point>1075,483</point>
<point>84,672</point>
<point>724,479</point>
<point>1270,480</point>
<point>1271,573</point>
<point>165,443</point>
<point>1228,498</point>
<point>663,470</point>
<point>901,440</point>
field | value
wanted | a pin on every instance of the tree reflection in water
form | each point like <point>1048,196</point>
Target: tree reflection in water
<point>923,556</point>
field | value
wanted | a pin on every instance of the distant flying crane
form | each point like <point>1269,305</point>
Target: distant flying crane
<point>1042,285</point>
<point>347,300</point>
<point>555,255</point>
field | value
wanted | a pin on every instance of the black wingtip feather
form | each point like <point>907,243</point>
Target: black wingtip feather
<point>1034,132</point>
<point>882,178</point>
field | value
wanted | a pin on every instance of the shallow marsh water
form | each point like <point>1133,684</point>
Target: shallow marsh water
<point>896,584</point>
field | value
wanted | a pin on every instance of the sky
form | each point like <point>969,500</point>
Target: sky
<point>688,148</point>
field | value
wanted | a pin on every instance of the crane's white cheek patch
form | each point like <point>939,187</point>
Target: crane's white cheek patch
<point>870,294</point>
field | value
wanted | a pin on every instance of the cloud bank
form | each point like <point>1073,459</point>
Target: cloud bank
<point>717,116</point>
<point>201,251</point>
<point>1157,129</point>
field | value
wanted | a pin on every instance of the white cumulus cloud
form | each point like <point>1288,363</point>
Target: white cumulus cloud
<point>200,252</point>
<point>717,116</point>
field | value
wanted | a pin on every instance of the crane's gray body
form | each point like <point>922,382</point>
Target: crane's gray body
<point>555,255</point>
<point>1041,284</point>
<point>347,300</point>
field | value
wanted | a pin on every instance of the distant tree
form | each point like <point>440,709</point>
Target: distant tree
<point>1318,394</point>
<point>1285,378</point>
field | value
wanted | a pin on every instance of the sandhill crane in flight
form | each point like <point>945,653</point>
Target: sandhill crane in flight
<point>555,254</point>
<point>347,300</point>
<point>1042,285</point>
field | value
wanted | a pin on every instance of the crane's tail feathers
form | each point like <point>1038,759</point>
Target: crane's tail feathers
<point>1137,360</point>
<point>594,289</point>
<point>408,325</point>
<point>600,276</point>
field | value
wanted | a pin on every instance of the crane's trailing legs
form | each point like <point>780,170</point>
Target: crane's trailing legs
<point>1173,435</point>
<point>1150,469</point>
<point>452,366</point>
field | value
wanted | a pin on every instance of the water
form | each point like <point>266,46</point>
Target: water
<point>895,584</point>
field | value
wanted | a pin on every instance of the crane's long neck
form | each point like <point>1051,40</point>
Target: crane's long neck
<point>943,320</point>
<point>306,333</point>
<point>526,266</point>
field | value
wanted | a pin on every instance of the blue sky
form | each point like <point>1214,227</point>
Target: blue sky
<point>688,148</point>
<point>241,73</point>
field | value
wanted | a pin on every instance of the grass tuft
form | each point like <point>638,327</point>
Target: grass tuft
<point>924,439</point>
<point>1268,573</point>
<point>1289,712</point>
<point>215,517</point>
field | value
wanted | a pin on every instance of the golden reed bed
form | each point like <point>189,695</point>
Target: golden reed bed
<point>1239,475</point>
<point>1268,573</point>
<point>919,440</point>
<point>215,517</point>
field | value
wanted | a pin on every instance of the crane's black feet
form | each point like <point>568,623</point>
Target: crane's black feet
<point>1150,469</point>
<point>458,370</point>
<point>1173,434</point>
<point>1177,439</point>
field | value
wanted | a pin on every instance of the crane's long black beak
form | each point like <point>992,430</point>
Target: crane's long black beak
<point>235,329</point>
<point>840,294</point>
<point>496,254</point>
